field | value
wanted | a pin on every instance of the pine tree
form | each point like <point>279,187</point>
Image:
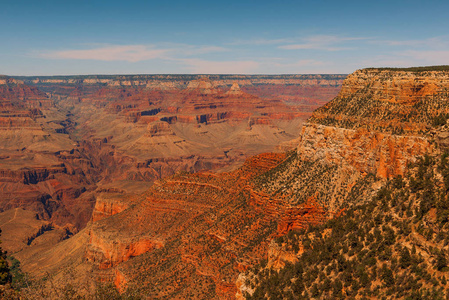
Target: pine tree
<point>5,275</point>
<point>441,262</point>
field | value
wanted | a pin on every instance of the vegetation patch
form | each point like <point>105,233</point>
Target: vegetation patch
<point>394,246</point>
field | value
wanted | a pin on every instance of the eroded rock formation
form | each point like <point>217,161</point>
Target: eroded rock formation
<point>86,147</point>
<point>381,121</point>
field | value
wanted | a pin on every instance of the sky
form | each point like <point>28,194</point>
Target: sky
<point>219,37</point>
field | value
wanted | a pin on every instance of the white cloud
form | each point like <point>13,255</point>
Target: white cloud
<point>258,42</point>
<point>434,42</point>
<point>182,49</point>
<point>321,42</point>
<point>132,53</point>
<point>181,54</point>
<point>438,57</point>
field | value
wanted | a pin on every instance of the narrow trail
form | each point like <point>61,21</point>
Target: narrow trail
<point>13,218</point>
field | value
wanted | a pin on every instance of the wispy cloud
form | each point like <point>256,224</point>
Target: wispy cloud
<point>429,56</point>
<point>205,59</point>
<point>131,53</point>
<point>188,50</point>
<point>260,42</point>
<point>433,42</point>
<point>322,42</point>
<point>408,53</point>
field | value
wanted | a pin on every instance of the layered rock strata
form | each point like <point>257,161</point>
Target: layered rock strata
<point>381,121</point>
<point>204,228</point>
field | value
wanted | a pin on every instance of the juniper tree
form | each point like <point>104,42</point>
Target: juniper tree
<point>5,275</point>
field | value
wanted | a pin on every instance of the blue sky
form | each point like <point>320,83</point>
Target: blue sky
<point>247,37</point>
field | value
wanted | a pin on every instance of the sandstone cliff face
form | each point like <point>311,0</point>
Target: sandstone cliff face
<point>398,102</point>
<point>109,204</point>
<point>310,91</point>
<point>400,87</point>
<point>30,176</point>
<point>107,252</point>
<point>379,122</point>
<point>382,154</point>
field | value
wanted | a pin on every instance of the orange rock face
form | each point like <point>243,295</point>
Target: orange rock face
<point>400,87</point>
<point>302,216</point>
<point>278,257</point>
<point>396,102</point>
<point>174,228</point>
<point>109,253</point>
<point>379,122</point>
<point>119,281</point>
<point>108,204</point>
<point>382,154</point>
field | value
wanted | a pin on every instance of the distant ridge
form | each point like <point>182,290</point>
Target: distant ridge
<point>183,76</point>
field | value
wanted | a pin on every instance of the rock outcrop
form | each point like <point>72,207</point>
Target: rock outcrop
<point>107,252</point>
<point>393,101</point>
<point>13,90</point>
<point>109,203</point>
<point>381,121</point>
<point>396,87</point>
<point>278,256</point>
<point>382,154</point>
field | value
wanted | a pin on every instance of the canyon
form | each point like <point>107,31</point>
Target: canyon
<point>182,202</point>
<point>78,149</point>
